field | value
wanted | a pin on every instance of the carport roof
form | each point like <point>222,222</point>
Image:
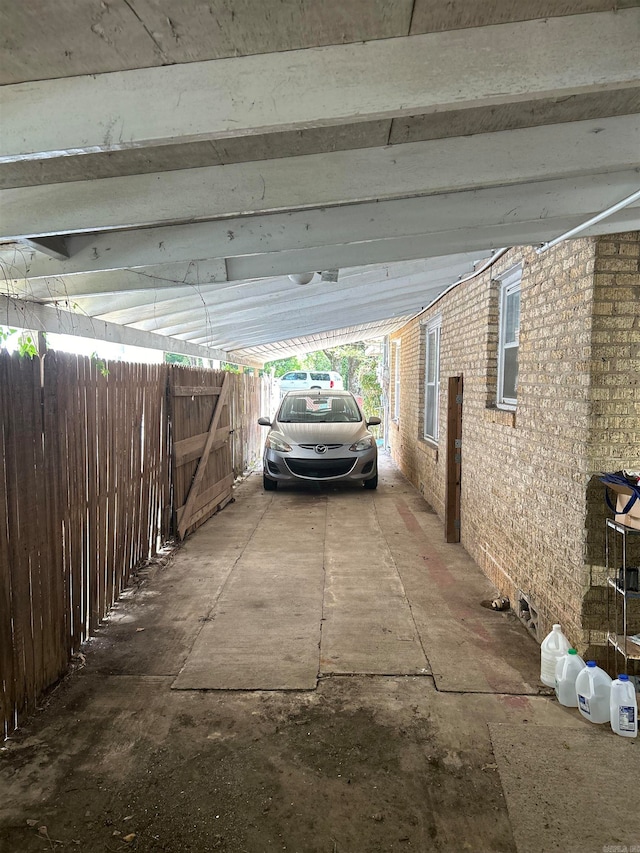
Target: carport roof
<point>166,167</point>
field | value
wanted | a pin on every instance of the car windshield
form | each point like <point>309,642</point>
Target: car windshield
<point>319,410</point>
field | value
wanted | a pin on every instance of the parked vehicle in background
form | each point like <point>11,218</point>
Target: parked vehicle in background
<point>319,435</point>
<point>306,380</point>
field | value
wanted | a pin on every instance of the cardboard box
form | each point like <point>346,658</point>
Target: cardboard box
<point>631,518</point>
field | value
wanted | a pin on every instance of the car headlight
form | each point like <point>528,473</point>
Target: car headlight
<point>364,443</point>
<point>274,442</point>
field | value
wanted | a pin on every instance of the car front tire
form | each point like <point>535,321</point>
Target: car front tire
<point>268,484</point>
<point>372,482</point>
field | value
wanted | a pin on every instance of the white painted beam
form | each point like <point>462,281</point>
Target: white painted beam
<point>313,181</point>
<point>464,239</point>
<point>171,280</point>
<point>169,277</point>
<point>418,246</point>
<point>129,307</point>
<point>278,244</point>
<point>44,318</point>
<point>420,74</point>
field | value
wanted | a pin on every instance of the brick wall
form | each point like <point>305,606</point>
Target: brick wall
<point>532,508</point>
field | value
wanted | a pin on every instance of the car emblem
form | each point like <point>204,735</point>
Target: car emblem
<point>321,448</point>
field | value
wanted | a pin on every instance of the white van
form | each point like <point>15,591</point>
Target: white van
<point>305,380</point>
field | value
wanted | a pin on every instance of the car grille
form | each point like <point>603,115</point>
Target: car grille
<point>320,469</point>
<point>313,446</point>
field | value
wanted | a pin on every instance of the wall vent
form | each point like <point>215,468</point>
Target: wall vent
<point>528,614</point>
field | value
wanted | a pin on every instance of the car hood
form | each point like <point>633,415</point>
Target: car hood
<point>321,433</point>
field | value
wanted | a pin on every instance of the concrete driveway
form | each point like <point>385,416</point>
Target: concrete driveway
<point>313,671</point>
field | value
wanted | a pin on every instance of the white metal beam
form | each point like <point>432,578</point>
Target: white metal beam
<point>278,244</point>
<point>420,74</point>
<point>170,277</point>
<point>130,307</point>
<point>313,181</point>
<point>373,252</point>
<point>464,239</point>
<point>44,318</point>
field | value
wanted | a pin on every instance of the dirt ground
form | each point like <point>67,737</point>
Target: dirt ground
<point>465,752</point>
<point>357,765</point>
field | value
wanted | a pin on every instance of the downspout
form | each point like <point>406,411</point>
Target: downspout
<point>594,219</point>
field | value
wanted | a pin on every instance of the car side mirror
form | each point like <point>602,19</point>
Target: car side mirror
<point>373,422</point>
<point>264,421</point>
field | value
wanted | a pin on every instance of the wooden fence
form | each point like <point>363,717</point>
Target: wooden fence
<point>201,431</point>
<point>86,496</point>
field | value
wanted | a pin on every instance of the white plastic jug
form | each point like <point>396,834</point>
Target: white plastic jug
<point>552,648</point>
<point>593,689</point>
<point>567,669</point>
<point>624,707</point>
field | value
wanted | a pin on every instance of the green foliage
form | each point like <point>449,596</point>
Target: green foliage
<point>176,358</point>
<point>186,360</point>
<point>282,365</point>
<point>100,363</point>
<point>27,346</point>
<point>230,368</point>
<point>319,360</point>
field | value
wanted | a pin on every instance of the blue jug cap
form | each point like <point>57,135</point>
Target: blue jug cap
<point>623,677</point>
<point>591,663</point>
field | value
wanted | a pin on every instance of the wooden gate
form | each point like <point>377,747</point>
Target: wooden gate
<point>202,460</point>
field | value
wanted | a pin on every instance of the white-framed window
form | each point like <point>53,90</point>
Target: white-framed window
<point>509,339</point>
<point>432,378</point>
<point>396,380</point>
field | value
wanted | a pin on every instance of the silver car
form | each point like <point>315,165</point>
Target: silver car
<point>319,436</point>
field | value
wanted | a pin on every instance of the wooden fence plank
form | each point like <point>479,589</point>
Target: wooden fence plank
<point>105,463</point>
<point>223,497</point>
<point>127,532</point>
<point>210,496</point>
<point>8,695</point>
<point>168,467</point>
<point>64,495</point>
<point>112,415</point>
<point>18,462</point>
<point>196,391</point>
<point>52,482</point>
<point>191,448</point>
<point>117,569</point>
<point>80,582</point>
<point>30,437</point>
